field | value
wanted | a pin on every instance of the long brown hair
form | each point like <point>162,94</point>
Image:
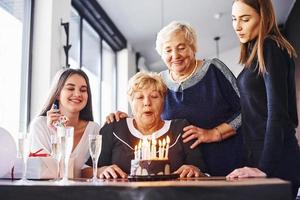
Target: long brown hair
<point>267,28</point>
<point>58,83</point>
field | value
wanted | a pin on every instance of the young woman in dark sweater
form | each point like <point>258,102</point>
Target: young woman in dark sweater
<point>268,96</point>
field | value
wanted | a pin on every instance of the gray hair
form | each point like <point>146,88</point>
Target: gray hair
<point>175,26</point>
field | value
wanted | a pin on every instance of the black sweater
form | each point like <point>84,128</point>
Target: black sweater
<point>118,142</point>
<point>269,114</point>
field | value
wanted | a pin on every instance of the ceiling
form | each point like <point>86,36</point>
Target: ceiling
<point>140,20</point>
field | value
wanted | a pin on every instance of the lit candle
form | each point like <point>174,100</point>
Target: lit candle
<point>135,152</point>
<point>144,149</point>
<point>153,149</point>
<point>163,148</point>
<point>147,150</point>
<point>159,149</point>
<point>139,150</point>
<point>167,148</point>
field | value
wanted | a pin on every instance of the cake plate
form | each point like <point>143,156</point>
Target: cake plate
<point>153,177</point>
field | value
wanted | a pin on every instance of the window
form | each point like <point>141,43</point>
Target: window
<point>91,61</point>
<point>100,41</point>
<point>14,56</point>
<point>108,83</point>
<point>74,57</point>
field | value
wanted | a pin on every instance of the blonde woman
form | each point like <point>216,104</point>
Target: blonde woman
<point>146,94</point>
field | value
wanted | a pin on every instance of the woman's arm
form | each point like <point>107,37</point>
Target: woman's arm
<point>112,171</point>
<point>227,85</point>
<point>277,91</point>
<point>105,172</point>
<point>245,172</point>
<point>189,171</point>
<point>200,135</point>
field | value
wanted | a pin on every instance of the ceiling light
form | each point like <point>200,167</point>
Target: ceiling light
<point>218,15</point>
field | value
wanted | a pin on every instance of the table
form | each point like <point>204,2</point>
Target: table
<point>184,189</point>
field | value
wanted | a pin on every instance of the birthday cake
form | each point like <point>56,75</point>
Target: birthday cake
<point>151,162</point>
<point>150,167</point>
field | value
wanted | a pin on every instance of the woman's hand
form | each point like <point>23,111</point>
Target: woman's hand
<point>116,116</point>
<point>112,171</point>
<point>53,116</point>
<point>200,135</point>
<point>246,172</point>
<point>189,171</point>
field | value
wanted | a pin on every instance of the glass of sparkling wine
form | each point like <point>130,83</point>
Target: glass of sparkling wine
<point>23,152</point>
<point>67,138</point>
<point>56,151</point>
<point>95,143</point>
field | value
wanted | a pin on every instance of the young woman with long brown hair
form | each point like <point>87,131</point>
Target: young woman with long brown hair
<point>71,90</point>
<point>268,95</point>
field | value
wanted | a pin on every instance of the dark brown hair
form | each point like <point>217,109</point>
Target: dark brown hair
<point>58,83</point>
<point>267,28</point>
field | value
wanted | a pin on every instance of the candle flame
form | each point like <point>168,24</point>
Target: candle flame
<point>168,140</point>
<point>154,142</point>
<point>147,148</point>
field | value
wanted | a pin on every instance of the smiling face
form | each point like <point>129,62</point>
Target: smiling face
<point>73,96</point>
<point>245,21</point>
<point>147,106</point>
<point>178,54</point>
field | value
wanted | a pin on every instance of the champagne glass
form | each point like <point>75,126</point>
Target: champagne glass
<point>56,151</point>
<point>95,143</point>
<point>67,138</point>
<point>23,152</point>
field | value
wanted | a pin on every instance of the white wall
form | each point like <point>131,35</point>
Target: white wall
<point>231,59</point>
<point>48,40</point>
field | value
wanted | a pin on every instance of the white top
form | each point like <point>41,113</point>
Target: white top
<point>154,135</point>
<point>40,139</point>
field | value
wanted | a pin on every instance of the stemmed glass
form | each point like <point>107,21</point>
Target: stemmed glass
<point>23,152</point>
<point>56,151</point>
<point>95,143</point>
<point>67,138</point>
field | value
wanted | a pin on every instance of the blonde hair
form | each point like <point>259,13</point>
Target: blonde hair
<point>175,26</point>
<point>267,28</point>
<point>144,80</point>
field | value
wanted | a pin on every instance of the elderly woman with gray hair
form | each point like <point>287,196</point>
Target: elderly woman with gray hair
<point>146,93</point>
<point>205,93</point>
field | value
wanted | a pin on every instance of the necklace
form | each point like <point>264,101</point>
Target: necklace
<point>186,78</point>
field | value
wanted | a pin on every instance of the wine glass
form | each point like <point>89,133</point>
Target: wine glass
<point>23,152</point>
<point>95,143</point>
<point>67,138</point>
<point>56,151</point>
